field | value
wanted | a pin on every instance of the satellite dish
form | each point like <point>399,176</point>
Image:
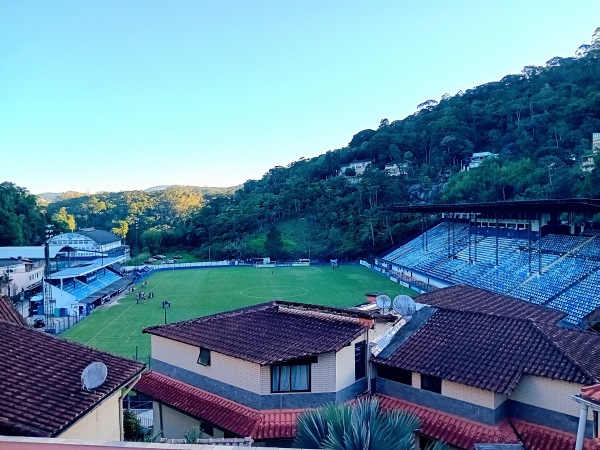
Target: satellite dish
<point>94,375</point>
<point>404,305</point>
<point>383,301</point>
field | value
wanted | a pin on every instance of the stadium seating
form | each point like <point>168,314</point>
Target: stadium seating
<point>568,280</point>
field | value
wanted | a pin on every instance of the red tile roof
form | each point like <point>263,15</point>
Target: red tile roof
<point>464,433</point>
<point>269,333</point>
<point>224,413</point>
<point>491,350</point>
<point>8,313</point>
<point>40,381</point>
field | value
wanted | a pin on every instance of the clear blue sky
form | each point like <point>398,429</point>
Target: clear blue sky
<point>127,94</point>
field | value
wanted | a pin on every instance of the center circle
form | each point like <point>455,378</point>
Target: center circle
<point>274,292</point>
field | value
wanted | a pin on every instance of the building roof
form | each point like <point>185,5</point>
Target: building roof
<point>530,207</point>
<point>100,236</point>
<point>492,351</point>
<point>226,414</point>
<point>467,298</point>
<point>464,433</point>
<point>40,381</point>
<point>8,313</point>
<point>270,332</point>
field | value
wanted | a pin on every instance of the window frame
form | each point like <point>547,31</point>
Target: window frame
<point>300,362</point>
<point>360,366</point>
<point>206,360</point>
<point>394,374</point>
<point>431,383</point>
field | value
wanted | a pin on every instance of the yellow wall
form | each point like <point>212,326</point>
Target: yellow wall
<point>103,422</point>
<point>550,394</point>
<point>233,371</point>
<point>469,394</point>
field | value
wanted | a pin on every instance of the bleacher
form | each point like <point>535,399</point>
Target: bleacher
<point>568,280</point>
<point>81,290</point>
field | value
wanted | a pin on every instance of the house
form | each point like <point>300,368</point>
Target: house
<point>20,275</point>
<point>396,170</point>
<point>479,367</point>
<point>251,371</point>
<point>478,158</point>
<point>41,392</point>
<point>358,167</point>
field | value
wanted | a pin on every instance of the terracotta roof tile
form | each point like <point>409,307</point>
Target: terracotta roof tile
<point>463,433</point>
<point>467,298</point>
<point>40,381</point>
<point>491,350</point>
<point>224,413</point>
<point>267,333</point>
<point>8,313</point>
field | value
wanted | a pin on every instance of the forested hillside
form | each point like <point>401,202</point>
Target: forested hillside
<point>539,123</point>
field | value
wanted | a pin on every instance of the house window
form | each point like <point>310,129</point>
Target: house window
<point>395,374</point>
<point>204,357</point>
<point>290,378</point>
<point>431,383</point>
<point>360,360</point>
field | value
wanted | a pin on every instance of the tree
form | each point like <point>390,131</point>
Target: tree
<point>64,220</point>
<point>273,244</point>
<point>363,425</point>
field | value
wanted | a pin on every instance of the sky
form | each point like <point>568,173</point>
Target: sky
<point>111,95</point>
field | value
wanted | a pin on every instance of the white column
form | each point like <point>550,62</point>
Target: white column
<point>581,427</point>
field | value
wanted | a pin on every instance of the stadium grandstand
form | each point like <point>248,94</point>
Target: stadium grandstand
<point>82,272</point>
<point>546,252</point>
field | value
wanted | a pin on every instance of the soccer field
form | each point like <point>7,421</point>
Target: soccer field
<point>117,327</point>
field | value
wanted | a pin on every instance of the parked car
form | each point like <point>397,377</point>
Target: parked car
<point>159,256</point>
<point>39,323</point>
<point>177,257</point>
<point>170,261</point>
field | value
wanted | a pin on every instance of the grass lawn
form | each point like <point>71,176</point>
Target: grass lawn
<point>117,328</point>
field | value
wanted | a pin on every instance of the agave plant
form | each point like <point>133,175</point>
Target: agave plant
<point>361,426</point>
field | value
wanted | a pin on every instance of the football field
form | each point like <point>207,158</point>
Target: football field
<point>117,327</point>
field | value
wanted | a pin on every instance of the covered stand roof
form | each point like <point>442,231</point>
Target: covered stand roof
<point>581,205</point>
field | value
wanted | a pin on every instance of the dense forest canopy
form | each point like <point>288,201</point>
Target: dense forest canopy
<point>538,124</point>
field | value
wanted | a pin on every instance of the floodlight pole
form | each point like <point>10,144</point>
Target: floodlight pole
<point>48,308</point>
<point>137,223</point>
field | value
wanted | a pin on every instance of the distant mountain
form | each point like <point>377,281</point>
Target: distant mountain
<point>202,189</point>
<point>49,197</point>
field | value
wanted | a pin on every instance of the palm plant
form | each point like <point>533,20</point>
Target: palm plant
<point>361,426</point>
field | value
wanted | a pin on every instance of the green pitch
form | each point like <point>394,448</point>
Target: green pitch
<point>117,327</point>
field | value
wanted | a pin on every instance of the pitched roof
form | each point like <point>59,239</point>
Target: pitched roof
<point>268,333</point>
<point>467,298</point>
<point>40,381</point>
<point>8,313</point>
<point>492,352</point>
<point>100,236</point>
<point>464,433</point>
<point>224,413</point>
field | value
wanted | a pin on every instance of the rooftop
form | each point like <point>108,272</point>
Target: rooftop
<point>224,413</point>
<point>8,313</point>
<point>463,433</point>
<point>491,350</point>
<point>40,381</point>
<point>271,332</point>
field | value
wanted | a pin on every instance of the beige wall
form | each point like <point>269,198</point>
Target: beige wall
<point>550,394</point>
<point>344,368</point>
<point>469,394</point>
<point>233,371</point>
<point>103,422</point>
<point>175,424</point>
<point>331,373</point>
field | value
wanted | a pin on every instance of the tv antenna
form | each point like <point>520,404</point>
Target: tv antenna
<point>383,301</point>
<point>93,375</point>
<point>404,305</point>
